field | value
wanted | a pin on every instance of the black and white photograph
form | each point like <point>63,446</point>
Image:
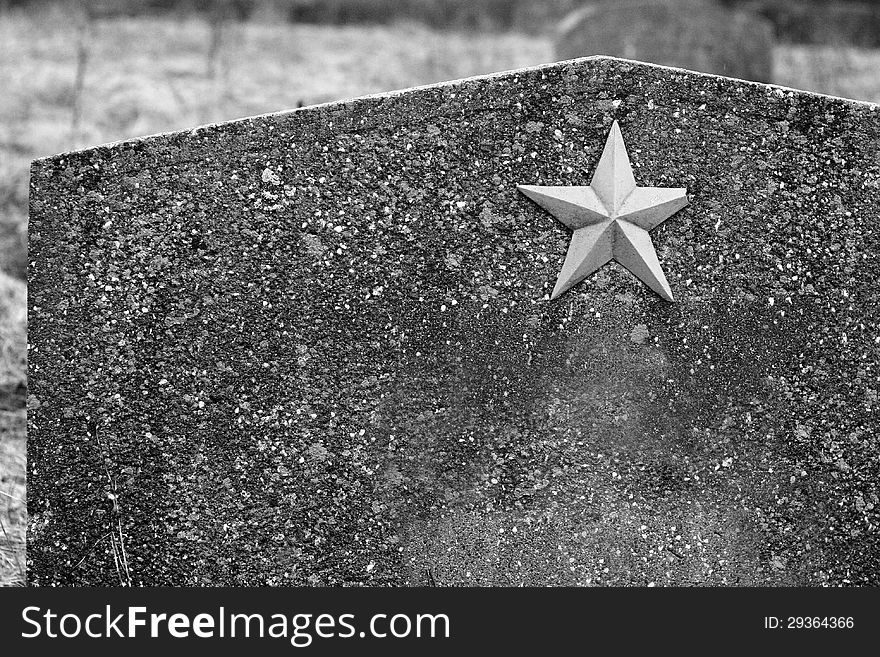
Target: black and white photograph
<point>432,294</point>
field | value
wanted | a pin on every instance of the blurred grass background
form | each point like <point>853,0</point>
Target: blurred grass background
<point>76,74</point>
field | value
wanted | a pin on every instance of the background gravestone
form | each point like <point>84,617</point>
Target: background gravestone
<point>833,22</point>
<point>316,347</point>
<point>694,34</point>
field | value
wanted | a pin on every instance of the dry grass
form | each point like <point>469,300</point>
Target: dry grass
<point>13,513</point>
<point>69,83</point>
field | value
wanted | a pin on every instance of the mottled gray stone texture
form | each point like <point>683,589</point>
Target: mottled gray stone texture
<point>316,347</point>
<point>696,34</point>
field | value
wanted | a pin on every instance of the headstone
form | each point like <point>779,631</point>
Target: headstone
<point>318,347</point>
<point>694,34</point>
<point>827,22</point>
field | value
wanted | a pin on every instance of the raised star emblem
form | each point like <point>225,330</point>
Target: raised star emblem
<point>610,219</point>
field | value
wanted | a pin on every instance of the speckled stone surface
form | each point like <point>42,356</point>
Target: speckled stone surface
<point>316,347</point>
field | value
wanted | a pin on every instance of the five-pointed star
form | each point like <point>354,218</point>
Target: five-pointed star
<point>610,219</point>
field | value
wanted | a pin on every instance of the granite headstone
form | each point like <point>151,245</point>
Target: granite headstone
<point>318,347</point>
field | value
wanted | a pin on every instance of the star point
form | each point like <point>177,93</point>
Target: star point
<point>610,220</point>
<point>613,179</point>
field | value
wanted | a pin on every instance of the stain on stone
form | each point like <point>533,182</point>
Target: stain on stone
<point>639,333</point>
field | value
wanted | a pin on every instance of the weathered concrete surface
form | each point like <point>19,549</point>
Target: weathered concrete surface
<point>696,34</point>
<point>315,347</point>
